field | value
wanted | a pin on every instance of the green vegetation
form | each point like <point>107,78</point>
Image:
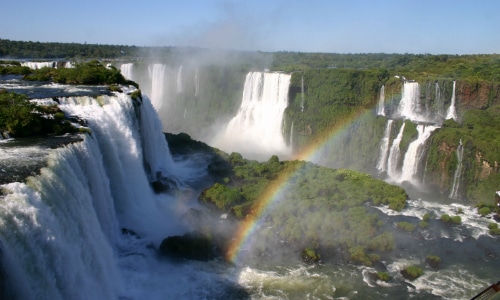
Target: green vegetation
<point>20,117</point>
<point>315,208</point>
<point>433,261</point>
<point>452,220</point>
<point>383,276</point>
<point>494,230</point>
<point>310,255</point>
<point>412,272</point>
<point>92,72</point>
<point>406,226</point>
<point>483,211</point>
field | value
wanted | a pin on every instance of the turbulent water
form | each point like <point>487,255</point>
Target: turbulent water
<point>87,227</point>
<point>256,130</point>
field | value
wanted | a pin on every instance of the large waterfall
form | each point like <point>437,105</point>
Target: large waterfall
<point>60,231</point>
<point>458,172</point>
<point>394,154</point>
<point>414,154</point>
<point>410,106</point>
<point>384,147</point>
<point>157,75</point>
<point>381,102</point>
<point>256,130</point>
<point>452,111</point>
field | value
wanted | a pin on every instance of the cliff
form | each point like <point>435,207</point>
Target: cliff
<point>337,109</point>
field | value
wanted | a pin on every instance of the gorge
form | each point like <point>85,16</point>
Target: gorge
<point>96,195</point>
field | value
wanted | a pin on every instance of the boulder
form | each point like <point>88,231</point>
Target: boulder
<point>192,245</point>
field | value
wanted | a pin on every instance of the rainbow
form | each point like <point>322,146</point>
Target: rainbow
<point>272,192</point>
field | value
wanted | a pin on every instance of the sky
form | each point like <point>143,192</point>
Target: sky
<point>333,26</point>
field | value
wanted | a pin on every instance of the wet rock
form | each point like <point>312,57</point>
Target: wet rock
<point>192,245</point>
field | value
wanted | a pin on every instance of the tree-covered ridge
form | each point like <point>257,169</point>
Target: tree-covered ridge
<point>480,67</point>
<point>92,72</point>
<point>316,208</point>
<point>19,117</point>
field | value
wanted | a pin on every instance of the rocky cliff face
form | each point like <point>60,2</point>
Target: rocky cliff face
<point>479,95</point>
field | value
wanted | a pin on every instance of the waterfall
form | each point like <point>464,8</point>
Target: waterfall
<point>157,75</point>
<point>179,80</point>
<point>38,65</point>
<point>256,130</point>
<point>415,152</point>
<point>196,82</point>
<point>409,106</point>
<point>60,231</point>
<point>127,70</point>
<point>302,93</point>
<point>381,102</point>
<point>394,154</point>
<point>384,148</point>
<point>458,172</point>
<point>452,112</point>
<point>438,100</point>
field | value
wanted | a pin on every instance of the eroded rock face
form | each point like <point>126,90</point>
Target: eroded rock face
<point>479,95</point>
<point>193,245</point>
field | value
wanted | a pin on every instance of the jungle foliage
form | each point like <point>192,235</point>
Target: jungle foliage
<point>478,132</point>
<point>20,117</point>
<point>308,205</point>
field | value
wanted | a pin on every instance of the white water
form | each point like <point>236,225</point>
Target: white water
<point>452,111</point>
<point>394,155</point>
<point>381,102</point>
<point>196,82</point>
<point>60,233</point>
<point>414,154</point>
<point>409,106</point>
<point>127,70</point>
<point>179,80</point>
<point>157,77</point>
<point>302,94</point>
<point>384,147</point>
<point>458,172</point>
<point>256,130</point>
<point>38,65</point>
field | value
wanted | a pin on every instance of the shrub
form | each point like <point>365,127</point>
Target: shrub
<point>433,261</point>
<point>494,230</point>
<point>406,226</point>
<point>483,211</point>
<point>412,272</point>
<point>383,276</point>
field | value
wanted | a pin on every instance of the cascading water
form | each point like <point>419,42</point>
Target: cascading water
<point>458,172</point>
<point>179,80</point>
<point>197,82</point>
<point>302,99</point>
<point>452,111</point>
<point>127,70</point>
<point>38,65</point>
<point>384,147</point>
<point>409,106</point>
<point>394,155</point>
<point>414,153</point>
<point>256,130</point>
<point>157,75</point>
<point>59,233</point>
<point>381,102</point>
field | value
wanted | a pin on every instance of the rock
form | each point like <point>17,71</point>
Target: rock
<point>192,245</point>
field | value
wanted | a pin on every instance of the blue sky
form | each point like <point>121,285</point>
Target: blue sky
<point>348,26</point>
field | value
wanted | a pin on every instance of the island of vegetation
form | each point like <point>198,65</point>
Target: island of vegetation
<point>19,117</point>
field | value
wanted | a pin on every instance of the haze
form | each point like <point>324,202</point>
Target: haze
<point>356,26</point>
